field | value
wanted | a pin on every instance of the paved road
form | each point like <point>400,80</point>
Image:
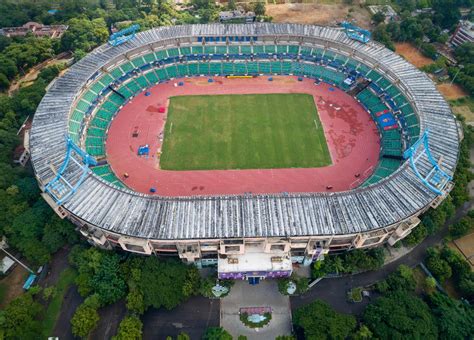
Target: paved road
<point>333,290</point>
<point>191,317</point>
<point>72,299</point>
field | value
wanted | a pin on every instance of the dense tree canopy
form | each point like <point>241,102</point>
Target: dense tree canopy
<point>159,283</point>
<point>318,320</point>
<point>454,320</point>
<point>216,333</point>
<point>98,274</point>
<point>398,315</point>
<point>130,328</point>
<point>84,34</point>
<point>19,320</point>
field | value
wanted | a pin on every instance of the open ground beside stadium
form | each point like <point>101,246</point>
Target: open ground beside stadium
<point>351,135</point>
<point>252,131</point>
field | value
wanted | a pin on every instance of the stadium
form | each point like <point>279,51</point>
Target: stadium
<point>250,147</point>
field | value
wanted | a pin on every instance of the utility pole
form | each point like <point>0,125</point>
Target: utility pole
<point>460,68</point>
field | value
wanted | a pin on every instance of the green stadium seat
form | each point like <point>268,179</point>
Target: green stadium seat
<point>252,67</point>
<point>293,49</point>
<point>282,49</point>
<point>264,67</point>
<point>149,58</point>
<point>240,68</point>
<point>193,69</point>
<point>161,73</point>
<point>152,78</point>
<point>183,70</point>
<point>127,67</point>
<point>286,67</point>
<point>173,52</point>
<point>137,62</point>
<point>160,55</point>
<point>116,73</point>
<point>305,50</point>
<point>142,82</point>
<point>133,86</point>
<point>125,91</point>
<point>270,48</point>
<point>275,67</point>
<point>258,49</point>
<point>97,87</point>
<point>221,49</point>
<point>105,115</point>
<point>209,49</point>
<point>246,49</point>
<point>185,50</point>
<point>98,122</point>
<point>234,49</point>
<point>106,80</point>
<point>203,68</point>
<point>77,116</point>
<point>228,68</point>
<point>83,106</point>
<point>172,71</point>
<point>197,49</point>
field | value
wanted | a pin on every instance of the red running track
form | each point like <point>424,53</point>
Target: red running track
<point>350,132</point>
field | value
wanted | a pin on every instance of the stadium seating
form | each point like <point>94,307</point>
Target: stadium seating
<point>131,84</point>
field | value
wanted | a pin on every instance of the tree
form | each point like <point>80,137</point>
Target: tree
<point>400,315</point>
<point>162,283</point>
<point>216,333</point>
<point>19,319</point>
<point>461,228</point>
<point>231,5</point>
<point>437,266</point>
<point>99,273</point>
<point>135,301</point>
<point>319,321</point>
<point>454,320</point>
<point>84,34</point>
<point>130,328</point>
<point>183,336</point>
<point>363,333</point>
<point>4,82</point>
<point>378,18</point>
<point>465,53</point>
<point>259,8</point>
<point>84,320</point>
<point>401,279</point>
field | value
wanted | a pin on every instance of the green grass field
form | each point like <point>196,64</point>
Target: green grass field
<point>261,131</point>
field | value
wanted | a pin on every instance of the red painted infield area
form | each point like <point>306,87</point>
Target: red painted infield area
<point>350,132</point>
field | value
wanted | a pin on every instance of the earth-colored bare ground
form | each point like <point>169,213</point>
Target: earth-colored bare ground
<point>318,13</point>
<point>410,53</point>
<point>451,92</point>
<point>13,284</point>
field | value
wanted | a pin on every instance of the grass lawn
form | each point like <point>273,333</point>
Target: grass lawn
<point>66,279</point>
<point>261,131</point>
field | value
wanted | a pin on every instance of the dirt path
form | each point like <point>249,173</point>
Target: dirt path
<point>32,74</point>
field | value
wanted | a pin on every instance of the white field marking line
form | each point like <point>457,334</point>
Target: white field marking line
<point>316,124</point>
